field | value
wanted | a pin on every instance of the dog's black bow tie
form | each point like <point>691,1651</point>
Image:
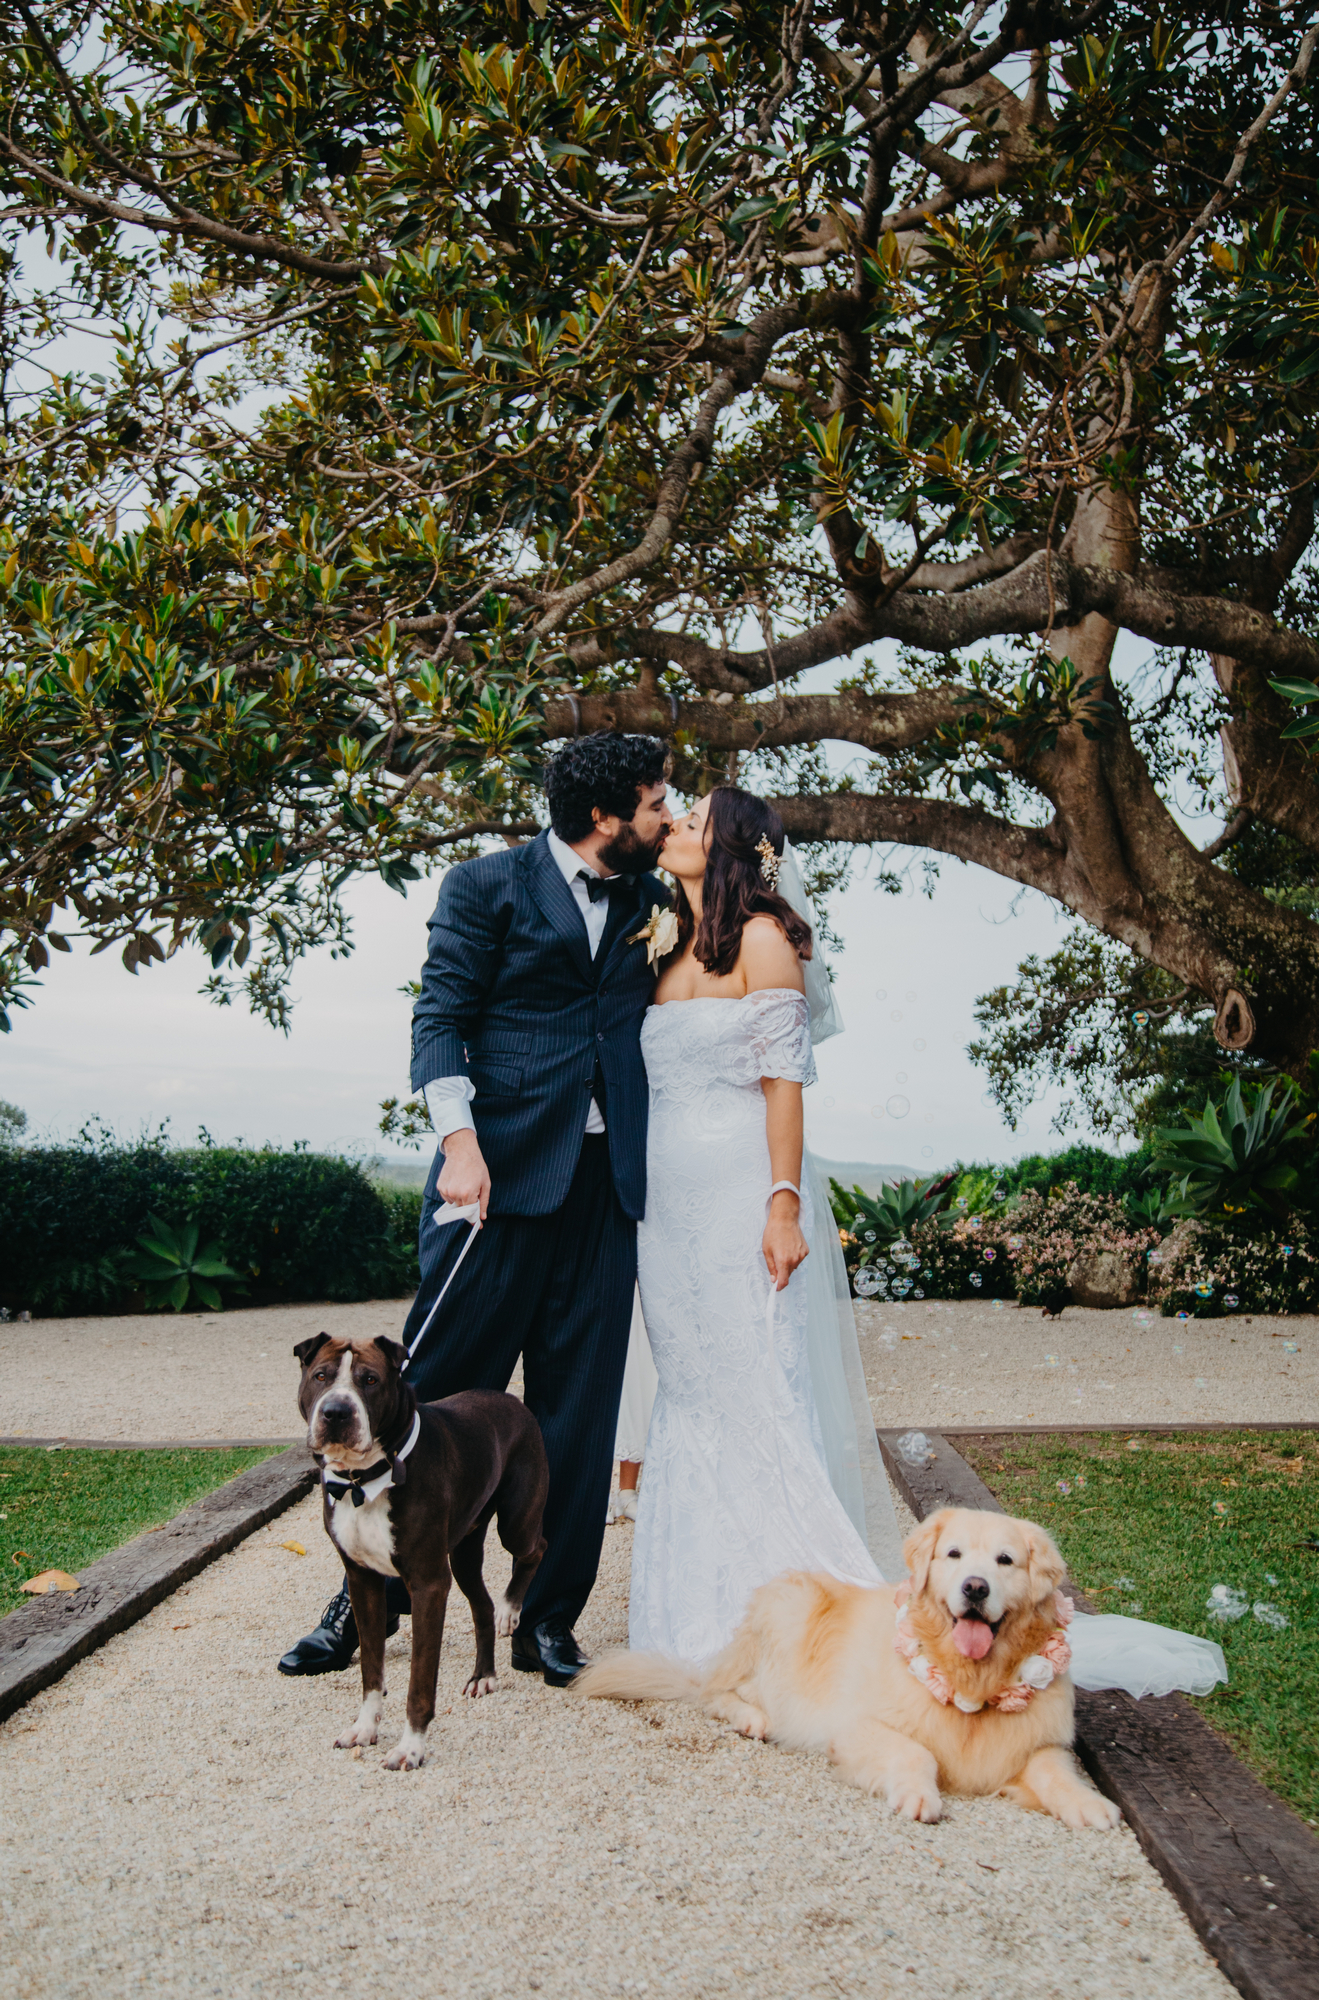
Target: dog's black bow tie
<point>338,1484</point>
<point>599,886</point>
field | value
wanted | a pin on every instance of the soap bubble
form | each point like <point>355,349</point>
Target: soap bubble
<point>866,1282</point>
<point>869,1236</point>
<point>909,996</point>
<point>1226,1604</point>
<point>918,1294</point>
<point>901,1076</point>
<point>1064,1486</point>
<point>961,1202</point>
<point>1288,1250</point>
<point>998,1305</point>
<point>1051,1361</point>
<point>1220,1508</point>
<point>976,1222</point>
<point>1177,1347</point>
<point>895,1013</point>
<point>1270,1578</point>
<point>1183,1315</point>
<point>918,1046</point>
<point>1141,1018</point>
<point>898,1106</point>
<point>877,1111</point>
<point>929,1118</point>
<point>881,993</point>
<point>977,1280</point>
<point>927,1152</point>
<point>915,1448</point>
<point>1080,1482</point>
<point>1015,1242</point>
<point>1200,1382</point>
<point>1141,1316</point>
<point>990,1253</point>
<point>1269,1614</point>
<point>1154,1256</point>
<point>1204,1291</point>
<point>1230,1301</point>
<point>1000,1192</point>
<point>1291,1347</point>
<point>1073,1048</point>
<point>828,1103</point>
<point>1123,1583</point>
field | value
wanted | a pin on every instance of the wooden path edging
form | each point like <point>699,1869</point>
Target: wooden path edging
<point>1242,1865</point>
<point>40,1641</point>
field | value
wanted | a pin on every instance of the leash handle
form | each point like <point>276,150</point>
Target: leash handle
<point>471,1214</point>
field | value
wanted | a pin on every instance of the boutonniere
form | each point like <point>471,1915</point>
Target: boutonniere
<point>659,932</point>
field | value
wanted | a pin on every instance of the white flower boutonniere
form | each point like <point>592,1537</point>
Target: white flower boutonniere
<point>659,933</point>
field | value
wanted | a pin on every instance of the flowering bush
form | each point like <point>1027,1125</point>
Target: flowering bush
<point>967,1257</point>
<point>1211,1269</point>
<point>1026,1249</point>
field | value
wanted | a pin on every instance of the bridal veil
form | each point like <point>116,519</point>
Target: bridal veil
<point>856,1470</point>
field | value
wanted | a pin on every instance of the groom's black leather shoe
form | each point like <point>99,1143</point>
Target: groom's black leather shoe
<point>330,1648</point>
<point>550,1649</point>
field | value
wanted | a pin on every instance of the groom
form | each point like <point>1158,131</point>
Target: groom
<point>526,1043</point>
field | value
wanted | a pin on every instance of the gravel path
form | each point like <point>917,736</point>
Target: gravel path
<point>230,1375</point>
<point>176,1821</point>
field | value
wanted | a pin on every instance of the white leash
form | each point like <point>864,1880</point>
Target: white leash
<point>470,1213</point>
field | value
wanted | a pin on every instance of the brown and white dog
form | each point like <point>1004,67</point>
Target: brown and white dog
<point>410,1489</point>
<point>956,1681</point>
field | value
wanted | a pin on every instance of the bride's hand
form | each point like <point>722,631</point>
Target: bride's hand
<point>783,1243</point>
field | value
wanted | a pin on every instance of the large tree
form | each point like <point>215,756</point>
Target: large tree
<point>616,366</point>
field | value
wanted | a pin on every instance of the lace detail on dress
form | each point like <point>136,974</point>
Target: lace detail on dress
<point>736,1489</point>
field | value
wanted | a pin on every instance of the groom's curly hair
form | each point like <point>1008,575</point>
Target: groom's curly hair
<point>605,770</point>
<point>735,886</point>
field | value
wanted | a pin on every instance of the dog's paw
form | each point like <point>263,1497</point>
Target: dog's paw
<point>408,1754</point>
<point>366,1729</point>
<point>756,1725</point>
<point>507,1618</point>
<point>910,1799</point>
<point>481,1684</point>
<point>1085,1808</point>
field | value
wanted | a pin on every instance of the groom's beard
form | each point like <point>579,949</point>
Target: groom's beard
<point>627,854</point>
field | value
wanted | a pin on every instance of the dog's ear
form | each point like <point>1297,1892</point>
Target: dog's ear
<point>394,1352</point>
<point>918,1549</point>
<point>1047,1568</point>
<point>305,1349</point>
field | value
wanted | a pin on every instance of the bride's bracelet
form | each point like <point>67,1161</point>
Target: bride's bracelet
<point>785,1187</point>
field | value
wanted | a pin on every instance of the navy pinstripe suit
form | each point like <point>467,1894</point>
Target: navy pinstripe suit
<point>511,995</point>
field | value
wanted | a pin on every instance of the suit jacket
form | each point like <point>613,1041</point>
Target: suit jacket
<point>511,996</point>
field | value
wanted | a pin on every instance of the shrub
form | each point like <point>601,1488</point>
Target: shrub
<point>1205,1264</point>
<point>294,1225</point>
<point>1249,1156</point>
<point>1026,1247</point>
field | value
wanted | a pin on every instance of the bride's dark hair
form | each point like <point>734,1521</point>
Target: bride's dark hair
<point>735,887</point>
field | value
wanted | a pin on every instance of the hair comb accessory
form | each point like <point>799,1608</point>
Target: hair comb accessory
<point>769,861</point>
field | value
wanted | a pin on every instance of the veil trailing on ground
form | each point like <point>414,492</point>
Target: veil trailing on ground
<point>856,1470</point>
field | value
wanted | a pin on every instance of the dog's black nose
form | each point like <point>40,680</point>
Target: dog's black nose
<point>975,1590</point>
<point>337,1410</point>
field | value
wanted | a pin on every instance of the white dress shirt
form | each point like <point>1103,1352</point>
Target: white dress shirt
<point>449,1098</point>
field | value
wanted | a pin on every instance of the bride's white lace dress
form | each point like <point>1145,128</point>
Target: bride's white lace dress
<point>735,1487</point>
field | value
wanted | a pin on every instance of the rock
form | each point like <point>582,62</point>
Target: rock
<point>1104,1277</point>
<point>1171,1267</point>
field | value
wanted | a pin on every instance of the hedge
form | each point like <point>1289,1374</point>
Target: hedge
<point>296,1225</point>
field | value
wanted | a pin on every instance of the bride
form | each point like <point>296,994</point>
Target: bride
<point>761,1455</point>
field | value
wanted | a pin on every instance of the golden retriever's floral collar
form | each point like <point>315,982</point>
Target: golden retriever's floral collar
<point>1035,1673</point>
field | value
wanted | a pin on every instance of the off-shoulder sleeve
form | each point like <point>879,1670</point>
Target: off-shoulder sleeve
<point>779,1035</point>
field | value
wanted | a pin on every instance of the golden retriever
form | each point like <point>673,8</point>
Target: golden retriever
<point>816,1665</point>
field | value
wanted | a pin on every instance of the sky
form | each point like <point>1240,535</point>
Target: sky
<point>895,1089</point>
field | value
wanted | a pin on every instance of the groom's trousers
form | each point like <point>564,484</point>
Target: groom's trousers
<point>556,1289</point>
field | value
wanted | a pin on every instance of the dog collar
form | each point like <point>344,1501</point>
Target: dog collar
<point>1034,1674</point>
<point>370,1481</point>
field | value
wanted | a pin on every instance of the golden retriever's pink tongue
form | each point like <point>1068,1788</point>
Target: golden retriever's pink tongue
<point>972,1638</point>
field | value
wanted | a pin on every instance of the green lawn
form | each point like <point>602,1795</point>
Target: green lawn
<point>63,1509</point>
<point>1151,1531</point>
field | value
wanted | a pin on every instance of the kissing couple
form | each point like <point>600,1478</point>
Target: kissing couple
<point>615,1075</point>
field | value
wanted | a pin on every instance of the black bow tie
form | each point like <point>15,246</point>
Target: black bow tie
<point>598,887</point>
<point>338,1484</point>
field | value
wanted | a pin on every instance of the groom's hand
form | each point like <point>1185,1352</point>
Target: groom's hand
<point>464,1177</point>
